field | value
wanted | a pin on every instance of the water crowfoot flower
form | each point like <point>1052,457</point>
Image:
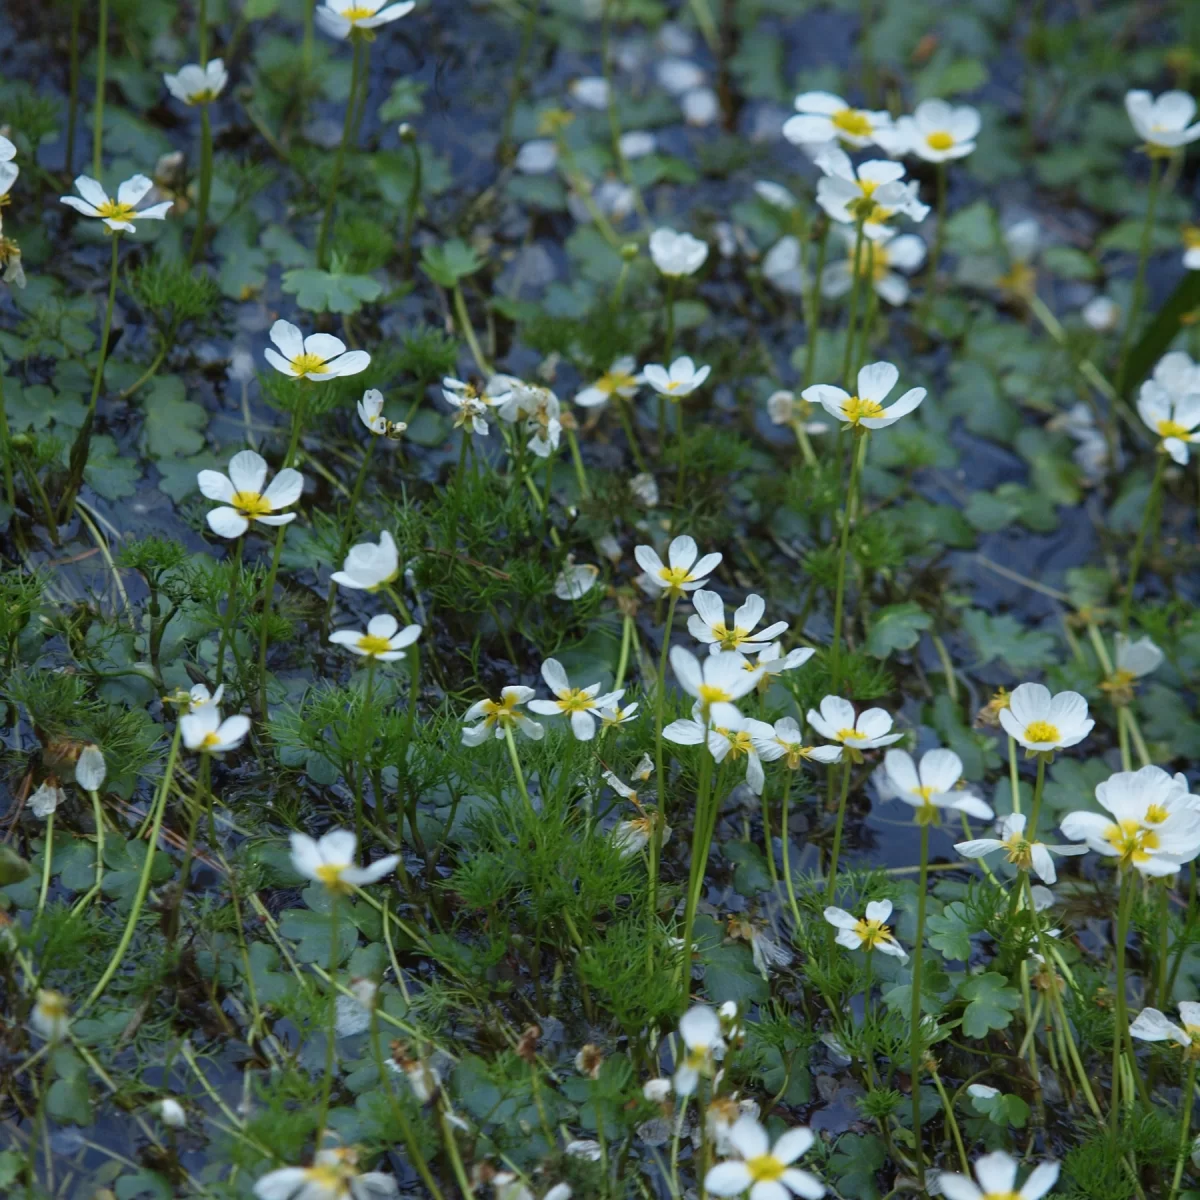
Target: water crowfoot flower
<point>203,730</point>
<point>707,624</point>
<point>318,357</point>
<point>936,132</point>
<point>575,580</point>
<point>198,85</point>
<point>700,1029</point>
<point>765,1171</point>
<point>721,678</point>
<point>786,741</point>
<point>370,413</point>
<point>242,491</point>
<point>871,192</point>
<point>384,640</point>
<point>1163,121</point>
<point>49,1015</point>
<point>878,258</point>
<point>1132,661</point>
<point>997,1175</point>
<point>582,705</point>
<point>46,799</point>
<point>621,379</point>
<point>1043,723</point>
<point>470,407</point>
<point>1023,854</point>
<point>334,1175</point>
<point>330,860</point>
<point>683,574</point>
<point>681,379</point>
<point>119,214</point>
<point>90,768</point>
<point>500,715</point>
<point>369,567</point>
<point>836,722</point>
<point>677,254</point>
<point>1150,1025</point>
<point>8,169</point>
<point>865,410</point>
<point>868,933</point>
<point>823,117</point>
<point>1175,420</point>
<point>340,18</point>
<point>931,786</point>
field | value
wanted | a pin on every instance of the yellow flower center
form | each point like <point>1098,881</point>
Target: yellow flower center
<point>730,639</point>
<point>370,643</point>
<point>330,1178</point>
<point>1041,731</point>
<point>1119,680</point>
<point>796,754</point>
<point>675,577</point>
<point>1172,429</point>
<point>251,504</point>
<point>616,716</point>
<point>499,712</point>
<point>1156,814</point>
<point>1002,1196</point>
<point>1191,236</point>
<point>116,210</point>
<point>611,382</point>
<point>330,874</point>
<point>765,1168</point>
<point>1019,279</point>
<point>357,14</point>
<point>306,363</point>
<point>1019,852</point>
<point>711,694</point>
<point>740,744</point>
<point>52,1005</point>
<point>576,700</point>
<point>843,734</point>
<point>1131,841</point>
<point>204,96</point>
<point>939,140</point>
<point>852,122</point>
<point>697,1057</point>
<point>210,739</point>
<point>856,408</point>
<point>872,932</point>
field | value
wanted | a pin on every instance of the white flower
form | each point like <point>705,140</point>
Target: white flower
<point>701,106</point>
<point>681,379</point>
<point>1139,658</point>
<point>614,714</point>
<point>590,90</point>
<point>330,860</point>
<point>384,640</point>
<point>707,624</point>
<point>879,260</point>
<point>870,932</point>
<point>981,1091</point>
<point>677,254</point>
<point>318,357</point>
<point>644,488</point>
<point>930,786</point>
<point>49,1016</point>
<point>499,715</point>
<point>871,192</point>
<point>243,493</point>
<point>508,1186</point>
<point>339,18</point>
<point>90,768</point>
<point>1163,122</point>
<point>542,418</point>
<point>1177,375</point>
<point>824,117</point>
<point>1174,421</point>
<point>370,413</point>
<point>633,836</point>
<point>587,1148</point>
<point>837,723</point>
<point>537,157</point>
<point>353,1012</point>
<point>720,679</point>
<point>46,799</point>
<point>734,736</point>
<point>936,132</point>
<point>1150,1025</point>
<point>776,195</point>
<point>204,730</point>
<point>1023,854</point>
<point>875,381</point>
<point>656,1090</point>
<point>171,1112</point>
<point>997,1175</point>
<point>772,660</point>
<point>334,1175</point>
<point>575,580</point>
<point>8,169</point>
<point>1191,239</point>
<point>700,1029</point>
<point>582,705</point>
<point>679,75</point>
<point>684,574</point>
<point>198,696</point>
<point>118,214</point>
<point>621,379</point>
<point>1042,723</point>
<point>368,566</point>
<point>1154,823</point>
<point>764,1170</point>
<point>1102,313</point>
<point>198,85</point>
<point>786,741</point>
<point>637,143</point>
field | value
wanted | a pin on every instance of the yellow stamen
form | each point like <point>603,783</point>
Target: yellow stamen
<point>1131,841</point>
<point>844,734</point>
<point>309,364</point>
<point>765,1168</point>
<point>611,382</point>
<point>357,14</point>
<point>1041,731</point>
<point>711,694</point>
<point>251,504</point>
<point>1191,236</point>
<point>856,408</point>
<point>115,210</point>
<point>872,932</point>
<point>730,639</point>
<point>939,140</point>
<point>330,874</point>
<point>1155,814</point>
<point>210,739</point>
<point>1172,429</point>
<point>675,577</point>
<point>852,122</point>
<point>1019,852</point>
<point>369,643</point>
<point>576,700</point>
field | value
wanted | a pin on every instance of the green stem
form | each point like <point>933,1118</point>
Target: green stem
<point>201,802</point>
<point>516,764</point>
<point>206,163</point>
<point>585,492</point>
<point>460,475</point>
<point>917,1051</point>
<point>935,256</point>
<point>835,669</point>
<point>1135,559</point>
<point>47,858</point>
<point>624,408</point>
<point>1035,811</point>
<point>98,109</point>
<point>414,202</point>
<point>1121,1020</point>
<point>202,31</point>
<point>952,1122</point>
<point>767,847</point>
<point>702,831</point>
<point>797,923</point>
<point>1164,944</point>
<point>1014,784</point>
<point>340,157</point>
<point>468,332</point>
<point>360,769</point>
<point>139,898</point>
<point>231,607</point>
<point>814,307</point>
<point>1139,281</point>
<point>79,448</point>
<point>835,853</point>
<point>626,642</point>
<point>6,454</point>
<point>330,1020</point>
<point>98,817</point>
<point>852,317</point>
<point>348,527</point>
<point>1185,1129</point>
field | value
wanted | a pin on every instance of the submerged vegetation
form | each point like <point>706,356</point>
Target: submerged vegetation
<point>509,697</point>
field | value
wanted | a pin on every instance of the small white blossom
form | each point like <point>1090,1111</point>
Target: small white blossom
<point>1043,723</point>
<point>1175,421</point>
<point>245,499</point>
<point>340,18</point>
<point>680,379</point>
<point>1023,854</point>
<point>997,1175</point>
<point>875,382</point>
<point>707,624</point>
<point>196,84</point>
<point>621,379</point>
<point>1165,122</point>
<point>823,117</point>
<point>575,580</point>
<point>172,1113</point>
<point>499,715</point>
<point>49,1016</point>
<point>90,768</point>
<point>203,730</point>
<point>930,786</point>
<point>936,131</point>
<point>764,1171</point>
<point>119,214</point>
<point>370,566</point>
<point>677,254</point>
<point>700,1029</point>
<point>46,799</point>
<point>384,640</point>
<point>686,570</point>
<point>582,705</point>
<point>334,1175</point>
<point>837,723</point>
<point>318,357</point>
<point>330,860</point>
<point>868,933</point>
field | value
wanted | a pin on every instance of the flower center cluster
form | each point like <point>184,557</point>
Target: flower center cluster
<point>674,576</point>
<point>116,210</point>
<point>1156,814</point>
<point>765,1168</point>
<point>856,408</point>
<point>309,364</point>
<point>843,735</point>
<point>872,932</point>
<point>498,712</point>
<point>357,14</point>
<point>371,643</point>
<point>1042,731</point>
<point>939,140</point>
<point>576,700</point>
<point>709,693</point>
<point>1131,841</point>
<point>730,639</point>
<point>851,121</point>
<point>330,874</point>
<point>211,739</point>
<point>251,504</point>
<point>1172,429</point>
<point>609,383</point>
<point>1019,852</point>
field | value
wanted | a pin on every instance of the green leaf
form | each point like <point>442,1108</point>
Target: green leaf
<point>324,291</point>
<point>897,627</point>
<point>854,1163</point>
<point>108,472</point>
<point>448,263</point>
<point>1005,638</point>
<point>13,868</point>
<point>174,425</point>
<point>311,931</point>
<point>991,1004</point>
<point>950,932</point>
<point>404,101</point>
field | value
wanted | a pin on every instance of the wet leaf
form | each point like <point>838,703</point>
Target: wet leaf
<point>323,291</point>
<point>991,1004</point>
<point>897,627</point>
